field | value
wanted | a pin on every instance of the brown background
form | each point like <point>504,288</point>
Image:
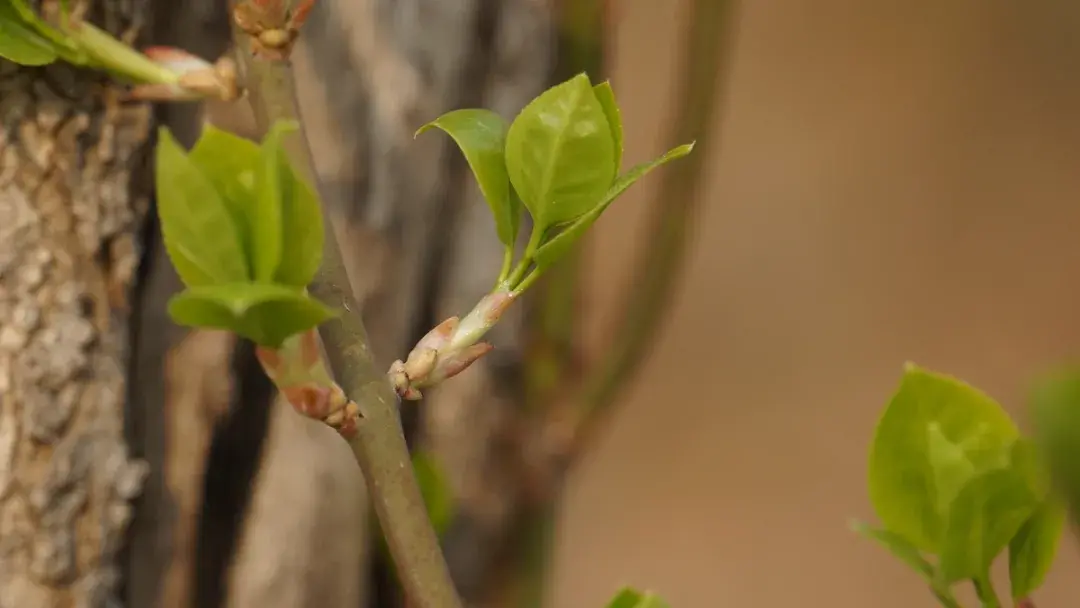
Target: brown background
<point>892,181</point>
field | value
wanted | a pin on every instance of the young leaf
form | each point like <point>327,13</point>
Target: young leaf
<point>606,96</point>
<point>481,136</point>
<point>558,246</point>
<point>898,546</point>
<point>1032,550</point>
<point>985,515</point>
<point>264,313</point>
<point>934,435</point>
<point>632,598</point>
<point>302,222</point>
<point>1055,409</point>
<point>198,230</point>
<point>559,153</point>
<point>229,162</point>
<point>21,43</point>
<point>267,223</point>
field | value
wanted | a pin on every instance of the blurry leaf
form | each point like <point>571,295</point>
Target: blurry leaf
<point>559,153</point>
<point>435,489</point>
<point>230,162</point>
<point>606,96</point>
<point>1055,410</point>
<point>984,516</point>
<point>934,435</point>
<point>1032,550</point>
<point>481,136</point>
<point>898,546</point>
<point>20,42</point>
<point>554,249</point>
<point>263,313</point>
<point>631,598</point>
<point>199,232</point>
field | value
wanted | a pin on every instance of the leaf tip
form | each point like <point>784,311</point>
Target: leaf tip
<point>423,129</point>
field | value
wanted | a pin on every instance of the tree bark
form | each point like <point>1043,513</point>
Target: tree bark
<point>71,207</point>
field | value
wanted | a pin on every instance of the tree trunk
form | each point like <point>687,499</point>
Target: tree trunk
<point>102,399</point>
<point>71,208</point>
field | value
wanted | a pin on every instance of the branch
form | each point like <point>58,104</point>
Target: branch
<point>264,32</point>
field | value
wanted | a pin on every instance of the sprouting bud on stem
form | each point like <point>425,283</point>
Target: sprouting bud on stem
<point>449,348</point>
<point>300,373</point>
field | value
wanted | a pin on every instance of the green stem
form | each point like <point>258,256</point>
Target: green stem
<point>379,444</point>
<point>508,261</point>
<point>526,260</point>
<point>115,57</point>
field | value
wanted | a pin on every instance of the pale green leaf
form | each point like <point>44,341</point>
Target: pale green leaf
<point>481,136</point>
<point>559,153</point>
<point>558,246</point>
<point>230,162</point>
<point>267,224</point>
<point>1032,550</point>
<point>632,598</point>
<point>264,313</point>
<point>20,42</point>
<point>936,433</point>
<point>606,96</point>
<point>983,517</point>
<point>199,232</point>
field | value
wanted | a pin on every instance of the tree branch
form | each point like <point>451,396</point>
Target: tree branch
<point>378,443</point>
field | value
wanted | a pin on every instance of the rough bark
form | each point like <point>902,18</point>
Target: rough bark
<point>69,222</point>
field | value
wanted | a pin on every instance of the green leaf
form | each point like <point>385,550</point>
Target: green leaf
<point>559,153</point>
<point>267,223</point>
<point>302,223</point>
<point>1032,550</point>
<point>936,433</point>
<point>632,598</point>
<point>20,42</point>
<point>435,490</point>
<point>264,313</point>
<point>1055,410</point>
<point>230,162</point>
<point>606,96</point>
<point>985,515</point>
<point>558,246</point>
<point>481,136</point>
<point>200,235</point>
<point>898,546</point>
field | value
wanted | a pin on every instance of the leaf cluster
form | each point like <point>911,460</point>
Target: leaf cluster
<point>244,233</point>
<point>955,485</point>
<point>559,159</point>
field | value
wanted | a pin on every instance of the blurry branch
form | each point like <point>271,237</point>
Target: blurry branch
<point>653,285</point>
<point>378,442</point>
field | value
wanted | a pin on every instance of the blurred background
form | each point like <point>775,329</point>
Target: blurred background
<point>882,182</point>
<point>889,181</point>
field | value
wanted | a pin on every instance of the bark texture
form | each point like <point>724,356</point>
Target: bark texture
<point>69,223</point>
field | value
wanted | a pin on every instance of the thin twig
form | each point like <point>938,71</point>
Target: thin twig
<point>379,444</point>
